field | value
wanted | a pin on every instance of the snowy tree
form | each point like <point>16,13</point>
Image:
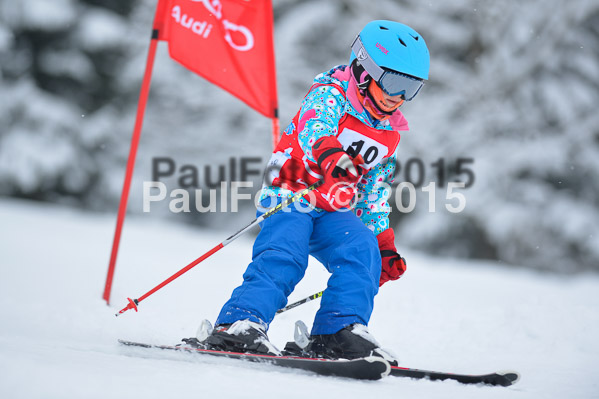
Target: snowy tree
<point>515,86</point>
<point>513,89</point>
<point>59,96</point>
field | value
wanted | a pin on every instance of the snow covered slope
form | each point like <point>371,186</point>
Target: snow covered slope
<point>58,338</point>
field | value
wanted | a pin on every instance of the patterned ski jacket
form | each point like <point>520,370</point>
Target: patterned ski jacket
<point>331,108</point>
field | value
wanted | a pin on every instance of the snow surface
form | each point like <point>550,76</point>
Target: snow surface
<point>58,338</point>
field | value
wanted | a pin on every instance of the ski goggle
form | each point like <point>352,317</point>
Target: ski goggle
<point>391,82</point>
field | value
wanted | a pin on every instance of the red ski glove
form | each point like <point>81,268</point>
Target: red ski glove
<point>341,172</point>
<point>393,265</point>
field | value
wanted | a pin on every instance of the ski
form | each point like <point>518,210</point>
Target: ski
<point>503,379</point>
<point>302,337</point>
<point>369,368</point>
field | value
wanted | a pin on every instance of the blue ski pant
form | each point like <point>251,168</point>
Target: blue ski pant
<point>339,240</point>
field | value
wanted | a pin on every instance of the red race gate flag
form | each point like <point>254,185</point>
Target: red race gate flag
<point>228,42</point>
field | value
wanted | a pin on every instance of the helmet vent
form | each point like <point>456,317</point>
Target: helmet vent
<point>402,42</point>
<point>383,27</point>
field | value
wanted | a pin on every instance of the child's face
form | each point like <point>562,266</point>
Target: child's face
<point>392,101</point>
<point>386,102</point>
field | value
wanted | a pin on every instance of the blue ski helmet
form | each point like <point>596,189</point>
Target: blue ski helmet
<point>394,55</point>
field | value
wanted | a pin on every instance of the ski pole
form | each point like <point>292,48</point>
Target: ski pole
<point>300,302</point>
<point>134,302</point>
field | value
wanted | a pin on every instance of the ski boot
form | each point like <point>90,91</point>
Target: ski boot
<point>351,342</point>
<point>242,336</point>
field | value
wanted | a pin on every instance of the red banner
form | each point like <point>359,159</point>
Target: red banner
<point>227,42</point>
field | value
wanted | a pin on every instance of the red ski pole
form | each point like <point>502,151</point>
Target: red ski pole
<point>134,302</point>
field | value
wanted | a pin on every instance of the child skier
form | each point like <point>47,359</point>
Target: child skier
<point>346,133</point>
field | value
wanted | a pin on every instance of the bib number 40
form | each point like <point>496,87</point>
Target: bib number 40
<point>355,143</point>
<point>370,153</point>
